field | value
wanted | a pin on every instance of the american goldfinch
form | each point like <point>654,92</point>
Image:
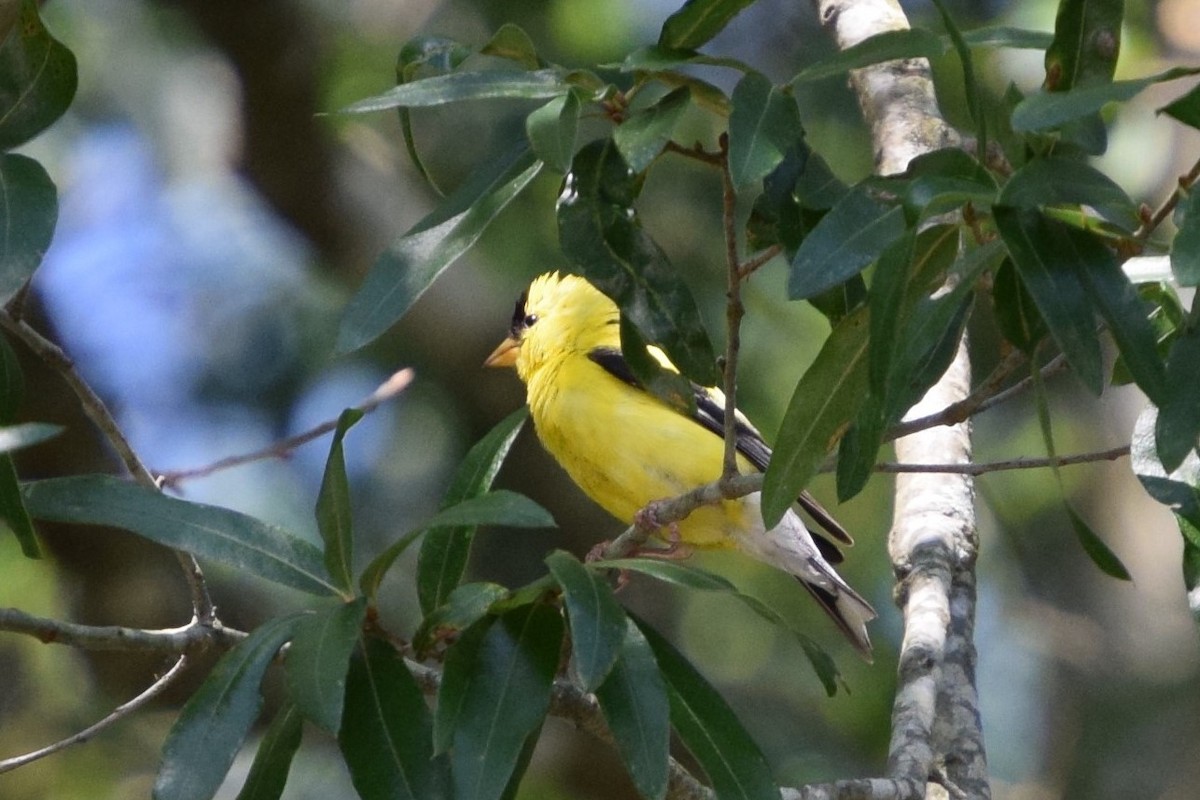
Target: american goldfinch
<point>625,447</point>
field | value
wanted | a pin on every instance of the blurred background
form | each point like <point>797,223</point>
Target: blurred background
<point>215,216</point>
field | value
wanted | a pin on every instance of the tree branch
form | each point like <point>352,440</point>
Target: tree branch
<point>117,714</point>
<point>187,639</point>
<point>95,409</point>
<point>734,311</point>
<point>386,391</point>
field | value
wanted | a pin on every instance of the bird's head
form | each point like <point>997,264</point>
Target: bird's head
<point>558,315</point>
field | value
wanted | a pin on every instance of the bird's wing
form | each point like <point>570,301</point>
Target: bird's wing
<point>710,414</point>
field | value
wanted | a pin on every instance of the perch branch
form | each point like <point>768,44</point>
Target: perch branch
<point>169,641</point>
<point>734,311</point>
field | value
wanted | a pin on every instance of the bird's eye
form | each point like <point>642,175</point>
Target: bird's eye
<point>529,320</point>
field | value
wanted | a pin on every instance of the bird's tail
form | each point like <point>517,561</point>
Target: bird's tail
<point>789,546</point>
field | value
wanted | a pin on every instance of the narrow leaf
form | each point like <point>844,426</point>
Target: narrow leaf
<point>458,86</point>
<point>214,722</point>
<point>505,700</point>
<point>15,437</point>
<point>1186,108</point>
<point>234,539</point>
<point>12,383</point>
<point>633,699</point>
<point>1179,489</point>
<point>1005,36</point>
<point>698,22</point>
<point>1045,110</point>
<point>644,134</point>
<point>551,130</point>
<point>1097,550</point>
<point>763,126</point>
<point>852,235</point>
<point>37,79</point>
<point>886,46</point>
<point>386,734</point>
<point>1185,247</point>
<point>28,214</point>
<point>512,42</point>
<point>500,507</point>
<point>887,296</point>
<point>601,235</point>
<point>1054,181</point>
<point>1045,259</point>
<point>444,552</point>
<point>597,619</point>
<point>269,772</point>
<point>333,507</point>
<point>318,659</point>
<point>1178,426</point>
<point>826,399</point>
<point>709,728</point>
<point>458,671</point>
<point>13,513</point>
<point>407,268</point>
<point>1087,40</point>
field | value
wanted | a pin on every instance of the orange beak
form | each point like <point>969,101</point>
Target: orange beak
<point>505,355</point>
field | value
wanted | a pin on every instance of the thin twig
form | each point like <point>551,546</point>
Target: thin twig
<point>982,468</point>
<point>1150,225</point>
<point>95,409</point>
<point>734,311</point>
<point>751,265</point>
<point>697,153</point>
<point>193,637</point>
<point>117,714</point>
<point>387,390</point>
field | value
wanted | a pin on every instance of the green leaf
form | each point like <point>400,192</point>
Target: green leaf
<point>459,86</point>
<point>597,619</point>
<point>1185,248</point>
<point>208,532</point>
<point>465,606</point>
<point>633,699</point>
<point>852,235</point>
<point>1191,574</point>
<point>887,298</point>
<point>505,699</point>
<point>826,399</point>
<point>1045,110</point>
<point>458,671</point>
<point>499,507</point>
<point>1054,181</point>
<point>386,731</point>
<point>689,577</point>
<point>269,772</point>
<point>318,658</point>
<point>886,46</point>
<point>1087,40</point>
<point>703,94</point>
<point>1016,314</point>
<point>444,552</point>
<point>13,512</point>
<point>662,382</point>
<point>37,79</point>
<point>334,517</point>
<point>15,437</point>
<point>411,263</point>
<point>214,722</point>
<point>1097,550</point>
<point>1005,36</point>
<point>551,130</point>
<point>1186,108</point>
<point>710,730</point>
<point>1180,489</point>
<point>698,22</point>
<point>512,42</point>
<point>1178,427</point>
<point>601,235</point>
<point>421,53</point>
<point>1047,263</point>
<point>645,132</point>
<point>1122,308</point>
<point>655,58</point>
<point>763,126</point>
<point>28,213</point>
<point>12,383</point>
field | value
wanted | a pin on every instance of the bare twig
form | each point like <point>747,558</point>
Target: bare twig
<point>697,153</point>
<point>751,265</point>
<point>189,638</point>
<point>117,714</point>
<point>982,468</point>
<point>95,409</point>
<point>734,311</point>
<point>1151,224</point>
<point>386,391</point>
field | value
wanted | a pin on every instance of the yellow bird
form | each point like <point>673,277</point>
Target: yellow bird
<point>625,447</point>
